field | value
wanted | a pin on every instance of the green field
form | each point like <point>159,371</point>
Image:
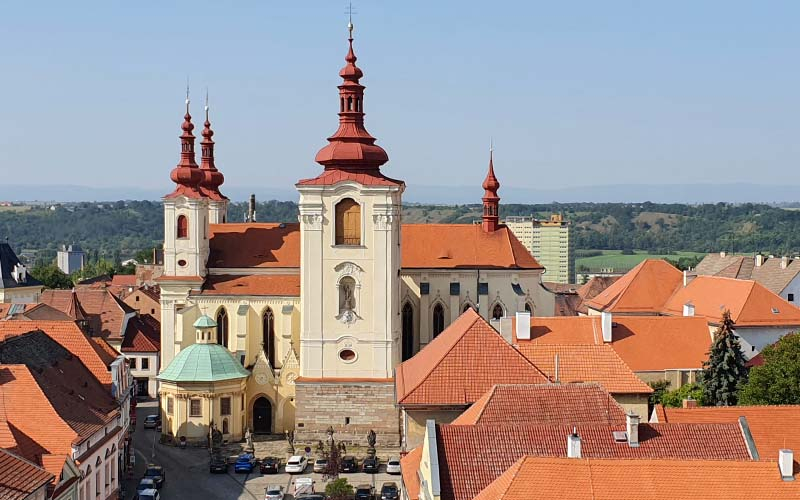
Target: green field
<point>614,259</point>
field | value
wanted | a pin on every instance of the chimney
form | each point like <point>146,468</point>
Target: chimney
<point>506,328</point>
<point>784,262</point>
<point>723,254</point>
<point>786,464</point>
<point>759,260</point>
<point>574,444</point>
<point>689,403</point>
<point>606,326</point>
<point>523,325</point>
<point>688,309</point>
<point>632,424</point>
<point>251,209</point>
<point>685,278</point>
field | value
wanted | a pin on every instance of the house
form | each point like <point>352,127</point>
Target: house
<point>780,275</point>
<point>145,300</point>
<point>141,346</point>
<point>655,288</point>
<point>16,285</point>
<point>21,479</point>
<point>107,316</point>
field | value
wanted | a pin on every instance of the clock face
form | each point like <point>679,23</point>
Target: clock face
<point>261,378</point>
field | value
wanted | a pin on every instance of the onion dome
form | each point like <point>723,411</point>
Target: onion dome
<point>491,201</point>
<point>187,174</point>
<point>212,178</point>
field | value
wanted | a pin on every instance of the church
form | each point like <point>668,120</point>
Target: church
<point>317,314</point>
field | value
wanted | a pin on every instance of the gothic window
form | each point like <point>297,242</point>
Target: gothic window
<point>183,226</point>
<point>408,331</point>
<point>438,319</point>
<point>348,222</point>
<point>497,311</point>
<point>529,308</point>
<point>222,327</point>
<point>268,336</point>
<point>347,298</point>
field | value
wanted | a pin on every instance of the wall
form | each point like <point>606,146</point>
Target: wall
<point>676,378</point>
<point>792,288</point>
<point>414,423</point>
<point>150,373</point>
<point>636,402</point>
<point>195,429</point>
<point>20,295</point>
<point>753,340</point>
<point>102,463</point>
<point>143,303</point>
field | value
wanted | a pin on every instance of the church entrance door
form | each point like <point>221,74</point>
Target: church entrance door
<point>262,416</point>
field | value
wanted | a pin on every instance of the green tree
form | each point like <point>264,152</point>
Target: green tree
<point>339,489</point>
<point>724,373</point>
<point>660,387</point>
<point>674,399</point>
<point>51,276</point>
<point>777,381</point>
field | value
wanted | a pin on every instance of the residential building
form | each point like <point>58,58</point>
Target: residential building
<point>70,258</point>
<point>145,300</point>
<point>550,242</point>
<point>107,316</point>
<point>780,275</point>
<point>322,311</point>
<point>16,285</point>
<point>655,287</point>
<point>21,479</point>
<point>141,347</point>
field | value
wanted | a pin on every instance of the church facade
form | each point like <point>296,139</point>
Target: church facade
<point>320,312</point>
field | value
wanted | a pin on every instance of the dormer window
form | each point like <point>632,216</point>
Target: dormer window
<point>19,273</point>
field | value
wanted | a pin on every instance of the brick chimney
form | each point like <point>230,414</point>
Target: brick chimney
<point>606,326</point>
<point>690,403</point>
<point>574,444</point>
<point>632,426</point>
<point>786,464</point>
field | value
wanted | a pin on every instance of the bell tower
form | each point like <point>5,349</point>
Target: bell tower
<point>350,280</point>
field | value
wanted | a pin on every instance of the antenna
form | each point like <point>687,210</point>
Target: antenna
<point>206,107</point>
<point>350,13</point>
<point>187,94</point>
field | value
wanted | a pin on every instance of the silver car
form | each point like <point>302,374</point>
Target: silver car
<point>274,492</point>
<point>393,466</point>
<point>320,465</point>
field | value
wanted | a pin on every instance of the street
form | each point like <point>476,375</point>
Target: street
<point>187,476</point>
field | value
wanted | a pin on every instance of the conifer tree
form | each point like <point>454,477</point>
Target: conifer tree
<point>724,372</point>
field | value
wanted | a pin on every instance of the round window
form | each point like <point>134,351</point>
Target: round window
<point>182,263</point>
<point>347,355</point>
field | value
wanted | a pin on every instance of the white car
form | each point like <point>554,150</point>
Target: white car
<point>393,466</point>
<point>151,494</point>
<point>274,492</point>
<point>296,465</point>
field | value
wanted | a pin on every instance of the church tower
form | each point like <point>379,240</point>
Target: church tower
<point>350,281</point>
<point>212,178</point>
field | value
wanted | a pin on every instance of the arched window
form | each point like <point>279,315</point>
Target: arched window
<point>222,327</point>
<point>183,226</point>
<point>529,308</point>
<point>408,331</point>
<point>268,336</point>
<point>438,320</point>
<point>225,429</point>
<point>497,311</point>
<point>348,222</point>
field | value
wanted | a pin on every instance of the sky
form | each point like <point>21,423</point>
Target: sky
<point>572,93</point>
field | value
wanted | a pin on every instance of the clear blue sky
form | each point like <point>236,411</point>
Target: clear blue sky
<point>574,93</point>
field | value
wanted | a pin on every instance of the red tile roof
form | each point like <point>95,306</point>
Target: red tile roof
<point>645,288</point>
<point>143,335</point>
<point>331,177</point>
<point>409,467</point>
<point>106,312</point>
<point>585,363</point>
<point>592,479</point>
<point>465,468</point>
<point>19,477</point>
<point>282,285</point>
<point>544,404</point>
<point>461,364</point>
<point>645,343</point>
<point>750,303</point>
<point>70,337</point>
<point>773,427</point>
<point>254,245</point>
<point>467,246</point>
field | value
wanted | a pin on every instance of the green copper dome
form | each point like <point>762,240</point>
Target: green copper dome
<point>203,363</point>
<point>204,322</point>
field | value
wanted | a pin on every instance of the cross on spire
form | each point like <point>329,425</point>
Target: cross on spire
<point>350,13</point>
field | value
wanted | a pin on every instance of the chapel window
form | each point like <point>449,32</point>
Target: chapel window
<point>222,327</point>
<point>438,319</point>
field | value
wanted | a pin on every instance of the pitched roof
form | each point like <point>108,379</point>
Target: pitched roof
<point>645,343</point>
<point>645,288</point>
<point>331,177</point>
<point>467,246</point>
<point>281,285</point>
<point>585,363</point>
<point>461,364</point>
<point>589,479</point>
<point>409,467</point>
<point>715,264</point>
<point>772,273</point>
<point>592,289</point>
<point>124,280</point>
<point>69,336</point>
<point>42,311</point>
<point>106,312</point>
<point>8,260</point>
<point>465,468</point>
<point>773,427</point>
<point>254,245</point>
<point>19,477</point>
<point>544,404</point>
<point>749,302</point>
<point>142,335</point>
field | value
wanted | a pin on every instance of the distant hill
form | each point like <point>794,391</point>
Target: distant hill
<point>448,195</point>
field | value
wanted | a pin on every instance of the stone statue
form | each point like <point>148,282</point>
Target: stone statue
<point>349,300</point>
<point>248,437</point>
<point>371,438</point>
<point>215,436</point>
<point>289,442</point>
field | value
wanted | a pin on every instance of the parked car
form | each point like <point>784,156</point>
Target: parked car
<point>314,496</point>
<point>156,473</point>
<point>296,465</point>
<point>269,465</point>
<point>245,463</point>
<point>150,494</point>
<point>152,421</point>
<point>303,486</point>
<point>389,491</point>
<point>393,466</point>
<point>320,465</point>
<point>364,492</point>
<point>370,465</point>
<point>348,464</point>
<point>274,492</point>
<point>145,484</point>
<point>218,464</point>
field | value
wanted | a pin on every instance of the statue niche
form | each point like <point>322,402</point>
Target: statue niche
<point>347,300</point>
